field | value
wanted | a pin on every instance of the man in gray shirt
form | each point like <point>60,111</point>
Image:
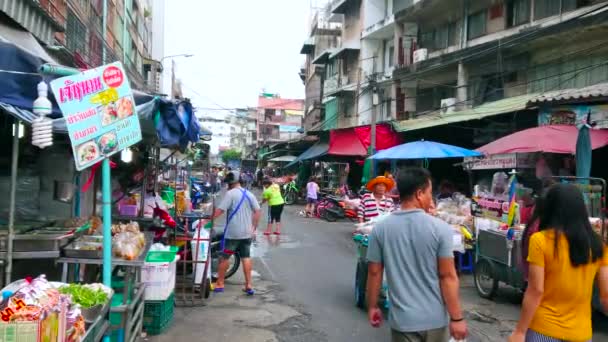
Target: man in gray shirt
<point>415,250</point>
<point>243,215</point>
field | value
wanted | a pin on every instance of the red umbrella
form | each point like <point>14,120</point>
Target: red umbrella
<point>549,139</point>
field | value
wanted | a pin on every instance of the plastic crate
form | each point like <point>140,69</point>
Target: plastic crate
<point>158,315</point>
<point>159,278</point>
<point>162,256</point>
<point>128,210</point>
<point>19,331</point>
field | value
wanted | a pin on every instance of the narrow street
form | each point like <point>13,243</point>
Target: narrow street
<point>304,283</point>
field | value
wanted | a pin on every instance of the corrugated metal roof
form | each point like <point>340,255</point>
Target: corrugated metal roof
<point>308,46</point>
<point>503,106</point>
<point>586,93</point>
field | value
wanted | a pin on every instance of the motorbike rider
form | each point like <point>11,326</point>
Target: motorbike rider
<point>377,202</point>
<point>242,221</point>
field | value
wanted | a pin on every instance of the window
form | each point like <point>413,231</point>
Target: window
<point>391,56</point>
<point>452,34</point>
<point>477,25</point>
<point>518,12</point>
<point>546,8</point>
<point>441,38</point>
<point>76,34</point>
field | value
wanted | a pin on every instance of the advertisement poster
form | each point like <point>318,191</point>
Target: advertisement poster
<point>99,111</point>
<point>573,115</point>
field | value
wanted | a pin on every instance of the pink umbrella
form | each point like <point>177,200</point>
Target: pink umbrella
<point>549,139</point>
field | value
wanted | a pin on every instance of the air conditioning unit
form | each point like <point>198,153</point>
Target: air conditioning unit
<point>420,55</point>
<point>448,105</point>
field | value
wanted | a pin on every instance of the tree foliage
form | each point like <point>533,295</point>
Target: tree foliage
<point>231,154</point>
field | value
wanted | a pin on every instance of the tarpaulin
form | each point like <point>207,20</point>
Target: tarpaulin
<point>385,136</point>
<point>317,150</point>
<point>344,142</point>
<point>177,124</point>
<point>549,139</point>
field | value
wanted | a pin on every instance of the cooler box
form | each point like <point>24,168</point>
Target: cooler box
<point>158,274</point>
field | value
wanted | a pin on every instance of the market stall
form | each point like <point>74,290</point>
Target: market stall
<point>516,171</point>
<point>455,211</point>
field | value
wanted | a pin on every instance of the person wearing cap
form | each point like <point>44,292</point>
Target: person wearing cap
<point>377,202</point>
<point>243,215</point>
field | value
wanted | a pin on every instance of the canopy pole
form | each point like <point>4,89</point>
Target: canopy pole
<point>106,192</point>
<point>11,210</point>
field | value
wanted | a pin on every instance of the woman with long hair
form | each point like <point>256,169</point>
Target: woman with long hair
<point>532,226</point>
<point>565,257</point>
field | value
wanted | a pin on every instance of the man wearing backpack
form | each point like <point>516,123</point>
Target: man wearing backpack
<point>243,214</point>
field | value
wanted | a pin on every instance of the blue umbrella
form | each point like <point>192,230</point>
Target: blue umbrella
<point>424,150</point>
<point>583,152</point>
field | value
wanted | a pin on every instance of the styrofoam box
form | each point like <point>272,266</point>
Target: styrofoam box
<point>159,279</point>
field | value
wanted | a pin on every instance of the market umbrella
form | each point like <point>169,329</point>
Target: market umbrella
<point>583,152</point>
<point>424,150</point>
<point>549,139</point>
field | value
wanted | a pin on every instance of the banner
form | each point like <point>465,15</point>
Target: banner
<point>99,111</point>
<point>502,162</point>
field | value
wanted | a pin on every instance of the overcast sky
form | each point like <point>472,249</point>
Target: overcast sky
<point>240,48</point>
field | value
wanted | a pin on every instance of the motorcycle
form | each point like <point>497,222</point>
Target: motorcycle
<point>290,192</point>
<point>200,193</point>
<point>331,207</point>
<point>163,221</point>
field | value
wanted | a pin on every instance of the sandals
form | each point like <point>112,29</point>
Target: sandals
<point>218,290</point>
<point>277,233</point>
<point>267,233</point>
<point>249,292</point>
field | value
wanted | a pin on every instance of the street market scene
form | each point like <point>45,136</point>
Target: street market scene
<point>304,170</point>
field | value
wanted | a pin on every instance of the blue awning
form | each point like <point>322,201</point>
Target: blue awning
<point>317,150</point>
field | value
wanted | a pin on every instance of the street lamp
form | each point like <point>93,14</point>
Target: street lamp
<point>185,55</point>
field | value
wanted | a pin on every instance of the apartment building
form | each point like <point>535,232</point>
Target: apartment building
<point>278,119</point>
<point>72,31</point>
<point>219,124</point>
<point>324,34</point>
<point>459,60</point>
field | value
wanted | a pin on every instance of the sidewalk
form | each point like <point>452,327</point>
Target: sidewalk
<point>233,316</point>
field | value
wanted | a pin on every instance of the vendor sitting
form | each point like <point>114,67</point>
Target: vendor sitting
<point>377,202</point>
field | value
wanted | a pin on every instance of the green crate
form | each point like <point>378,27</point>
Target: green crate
<point>158,315</point>
<point>162,256</point>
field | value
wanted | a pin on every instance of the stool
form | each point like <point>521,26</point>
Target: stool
<point>464,262</point>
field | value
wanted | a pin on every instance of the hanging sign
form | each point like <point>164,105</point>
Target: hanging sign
<point>501,161</point>
<point>99,112</point>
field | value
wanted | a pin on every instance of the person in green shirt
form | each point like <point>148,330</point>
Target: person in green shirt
<point>272,195</point>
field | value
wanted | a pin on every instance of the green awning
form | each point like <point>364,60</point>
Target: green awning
<point>485,110</point>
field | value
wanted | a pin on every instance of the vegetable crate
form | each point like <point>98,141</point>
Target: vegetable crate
<point>158,315</point>
<point>19,332</point>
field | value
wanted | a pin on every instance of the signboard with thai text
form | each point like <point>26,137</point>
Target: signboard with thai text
<point>573,115</point>
<point>502,162</point>
<point>99,111</point>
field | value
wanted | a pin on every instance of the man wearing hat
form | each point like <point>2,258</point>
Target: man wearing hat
<point>243,214</point>
<point>377,202</point>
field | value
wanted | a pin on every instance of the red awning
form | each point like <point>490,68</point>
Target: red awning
<point>549,139</point>
<point>356,141</point>
<point>344,142</point>
<point>385,136</point>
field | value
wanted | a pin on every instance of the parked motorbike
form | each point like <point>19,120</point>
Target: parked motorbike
<point>234,261</point>
<point>335,208</point>
<point>291,192</point>
<point>199,193</point>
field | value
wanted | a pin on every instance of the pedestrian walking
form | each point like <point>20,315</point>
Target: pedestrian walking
<point>565,257</point>
<point>213,180</point>
<point>272,195</point>
<point>243,216</point>
<point>377,202</point>
<point>312,196</point>
<point>416,252</point>
<point>259,178</point>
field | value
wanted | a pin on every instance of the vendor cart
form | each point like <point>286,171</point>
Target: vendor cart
<point>498,251</point>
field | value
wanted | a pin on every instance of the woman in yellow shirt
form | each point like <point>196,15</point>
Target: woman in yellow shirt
<point>565,257</point>
<point>272,195</point>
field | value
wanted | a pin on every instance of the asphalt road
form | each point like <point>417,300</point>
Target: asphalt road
<point>304,282</point>
<point>314,263</point>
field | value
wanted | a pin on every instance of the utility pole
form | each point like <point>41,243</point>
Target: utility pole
<point>373,126</point>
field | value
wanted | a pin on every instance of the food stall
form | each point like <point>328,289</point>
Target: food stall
<point>453,210</point>
<point>518,174</point>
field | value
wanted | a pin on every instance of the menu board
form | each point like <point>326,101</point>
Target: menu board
<point>99,111</point>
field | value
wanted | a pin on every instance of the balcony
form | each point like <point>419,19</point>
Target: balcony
<point>384,29</point>
<point>340,6</point>
<point>41,18</point>
<point>337,84</point>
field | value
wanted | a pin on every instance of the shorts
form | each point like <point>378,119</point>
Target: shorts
<point>274,213</point>
<point>311,200</point>
<point>434,335</point>
<point>533,336</point>
<point>242,247</point>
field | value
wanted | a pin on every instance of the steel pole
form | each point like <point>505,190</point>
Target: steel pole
<point>11,209</point>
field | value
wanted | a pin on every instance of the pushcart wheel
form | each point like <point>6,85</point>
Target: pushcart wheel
<point>360,283</point>
<point>485,279</point>
<point>207,289</point>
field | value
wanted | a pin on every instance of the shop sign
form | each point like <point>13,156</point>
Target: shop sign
<point>99,112</point>
<point>502,161</point>
<point>573,115</point>
<point>288,129</point>
<point>489,208</point>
